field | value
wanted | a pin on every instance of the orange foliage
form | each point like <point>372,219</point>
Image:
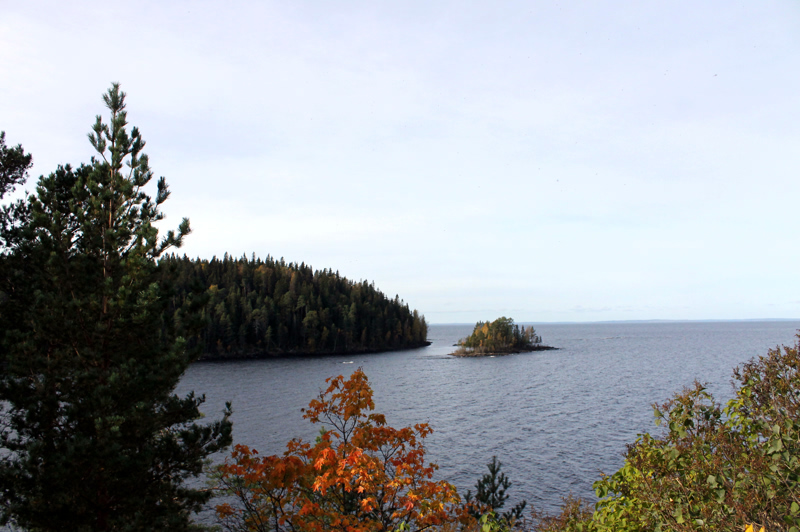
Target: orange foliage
<point>361,475</point>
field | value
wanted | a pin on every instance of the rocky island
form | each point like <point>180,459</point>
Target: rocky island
<point>497,338</point>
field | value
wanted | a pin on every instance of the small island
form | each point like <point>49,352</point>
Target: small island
<point>497,338</point>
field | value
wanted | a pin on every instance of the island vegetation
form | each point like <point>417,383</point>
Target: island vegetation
<point>264,307</point>
<point>499,337</point>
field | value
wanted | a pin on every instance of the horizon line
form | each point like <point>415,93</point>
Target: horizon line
<point>704,320</point>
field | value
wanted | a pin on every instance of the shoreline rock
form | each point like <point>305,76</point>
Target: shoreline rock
<point>500,353</point>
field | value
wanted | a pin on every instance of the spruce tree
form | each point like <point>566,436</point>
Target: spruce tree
<point>93,436</point>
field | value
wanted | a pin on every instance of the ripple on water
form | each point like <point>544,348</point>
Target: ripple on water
<point>554,418</point>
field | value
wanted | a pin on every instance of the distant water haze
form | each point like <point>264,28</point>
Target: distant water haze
<point>555,419</point>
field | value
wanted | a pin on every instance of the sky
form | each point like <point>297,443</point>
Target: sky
<point>542,160</point>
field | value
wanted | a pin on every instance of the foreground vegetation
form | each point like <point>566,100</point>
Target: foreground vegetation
<point>98,324</point>
<point>715,468</point>
<point>360,475</point>
<point>261,307</point>
<point>92,436</point>
<point>721,468</point>
<point>499,337</point>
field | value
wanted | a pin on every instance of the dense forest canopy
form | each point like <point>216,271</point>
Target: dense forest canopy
<point>256,307</point>
<point>500,334</point>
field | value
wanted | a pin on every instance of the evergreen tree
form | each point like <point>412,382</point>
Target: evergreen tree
<point>92,435</point>
<point>14,165</point>
<point>491,494</point>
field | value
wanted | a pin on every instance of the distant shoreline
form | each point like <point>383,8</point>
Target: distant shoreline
<point>711,320</point>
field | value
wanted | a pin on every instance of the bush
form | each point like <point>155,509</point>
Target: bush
<point>716,468</point>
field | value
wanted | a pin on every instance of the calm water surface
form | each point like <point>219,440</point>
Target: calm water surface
<point>555,419</point>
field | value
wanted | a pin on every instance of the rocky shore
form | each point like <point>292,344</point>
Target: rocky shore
<point>478,352</point>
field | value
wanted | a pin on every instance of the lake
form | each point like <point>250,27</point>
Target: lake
<point>555,419</point>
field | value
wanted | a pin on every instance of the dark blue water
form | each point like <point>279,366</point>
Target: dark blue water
<point>555,419</point>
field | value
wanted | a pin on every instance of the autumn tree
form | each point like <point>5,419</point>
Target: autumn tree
<point>360,474</point>
<point>92,435</point>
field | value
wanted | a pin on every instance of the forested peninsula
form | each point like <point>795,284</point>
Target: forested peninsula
<point>256,307</point>
<point>499,337</point>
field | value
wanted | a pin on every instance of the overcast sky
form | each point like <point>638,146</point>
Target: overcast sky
<point>547,161</point>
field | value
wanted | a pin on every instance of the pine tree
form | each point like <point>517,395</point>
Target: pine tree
<point>93,436</point>
<point>14,165</point>
<point>491,494</point>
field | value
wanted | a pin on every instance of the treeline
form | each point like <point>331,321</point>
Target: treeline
<point>500,334</point>
<point>257,307</point>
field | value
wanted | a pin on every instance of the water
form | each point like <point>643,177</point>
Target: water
<point>555,419</point>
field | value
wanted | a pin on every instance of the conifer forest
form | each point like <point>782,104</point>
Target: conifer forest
<point>256,307</point>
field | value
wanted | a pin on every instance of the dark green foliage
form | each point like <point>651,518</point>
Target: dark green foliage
<point>501,334</point>
<point>92,435</point>
<point>14,165</point>
<point>260,307</point>
<point>491,495</point>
